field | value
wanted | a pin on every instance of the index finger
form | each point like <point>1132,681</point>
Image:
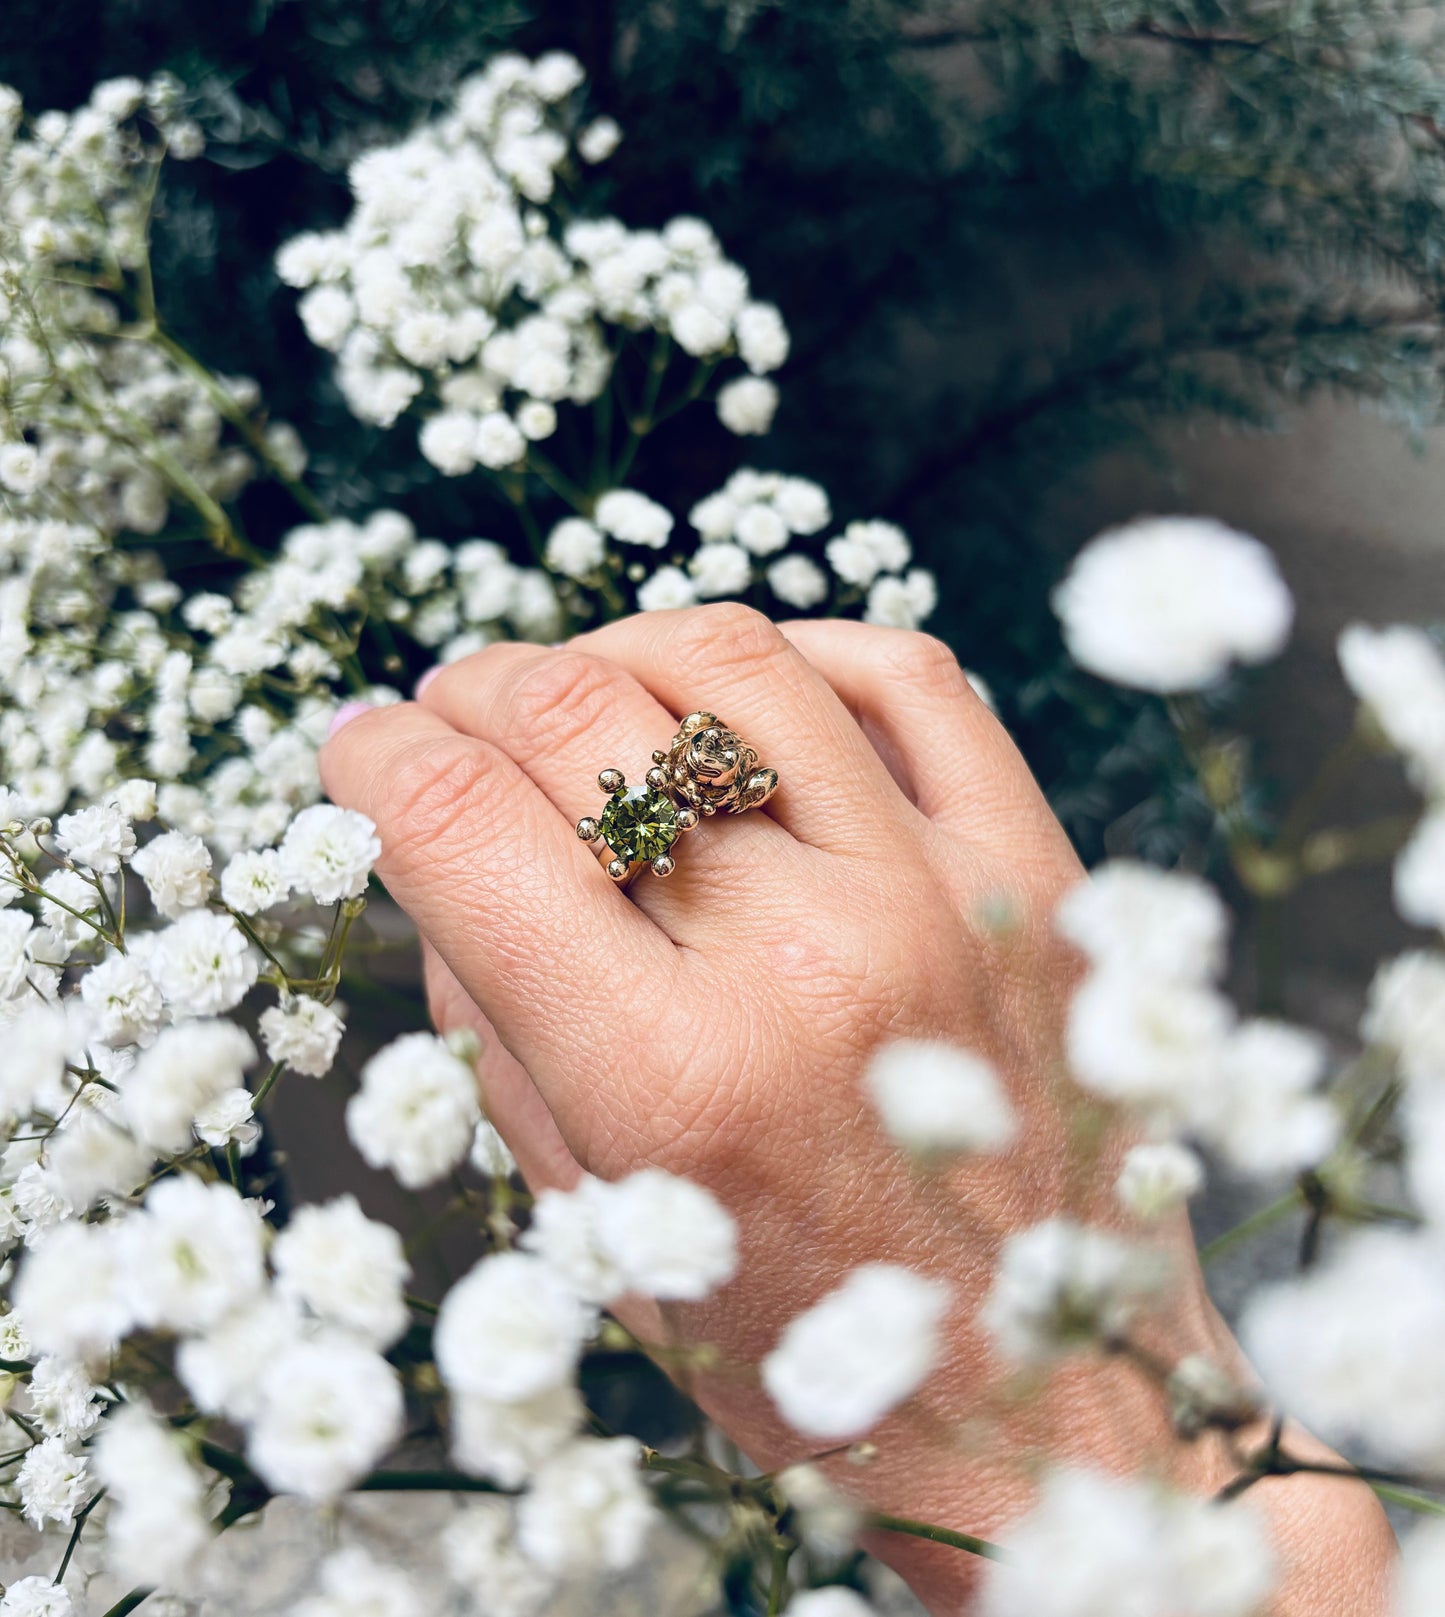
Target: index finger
<point>496,879</point>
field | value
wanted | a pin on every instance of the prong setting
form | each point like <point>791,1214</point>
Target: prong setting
<point>589,829</point>
<point>611,780</point>
<point>617,869</point>
<point>663,865</point>
<point>657,778</point>
<point>686,819</point>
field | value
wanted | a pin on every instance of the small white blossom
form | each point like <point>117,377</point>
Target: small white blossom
<point>328,852</point>
<point>188,1068</point>
<point>597,142</point>
<point>329,1408</point>
<point>483,1559</point>
<point>668,589</point>
<point>1406,1014</point>
<point>1420,874</point>
<point>587,1508</point>
<point>747,405</point>
<point>1398,674</point>
<point>508,1441</point>
<point>346,1268</point>
<point>416,1110</point>
<point>1060,1286</point>
<point>1169,603</point>
<point>36,1597</point>
<point>99,837</point>
<point>633,518</point>
<point>304,1034</point>
<point>1155,1179</point>
<point>575,548</point>
<point>1163,924</point>
<point>1096,1546</point>
<point>489,1154</point>
<point>934,1097</point>
<point>176,869</point>
<point>53,1483</point>
<point>223,1368</point>
<point>509,1330</point>
<point>252,881</point>
<point>203,964</point>
<point>192,1255</point>
<point>352,1583</point>
<point>124,1000</point>
<point>63,1400</point>
<point>839,1368</point>
<point>798,582</point>
<point>157,1527</point>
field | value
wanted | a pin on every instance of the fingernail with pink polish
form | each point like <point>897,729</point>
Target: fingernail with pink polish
<point>425,680</point>
<point>346,713</point>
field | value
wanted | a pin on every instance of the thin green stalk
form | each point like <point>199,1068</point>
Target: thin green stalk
<point>938,1535</point>
<point>75,1533</point>
<point>267,1084</point>
<point>426,1482</point>
<point>1258,1221</point>
<point>778,1575</point>
<point>128,1603</point>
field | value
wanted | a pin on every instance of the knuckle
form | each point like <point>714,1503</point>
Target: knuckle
<point>925,663</point>
<point>432,794</point>
<point>728,634</point>
<point>562,696</point>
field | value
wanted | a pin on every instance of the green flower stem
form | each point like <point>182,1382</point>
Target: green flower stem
<point>267,1084</point>
<point>128,1603</point>
<point>75,1533</point>
<point>1408,1499</point>
<point>778,1575</point>
<point>426,1482</point>
<point>227,406</point>
<point>562,486</point>
<point>1263,1219</point>
<point>938,1535</point>
<point>639,425</point>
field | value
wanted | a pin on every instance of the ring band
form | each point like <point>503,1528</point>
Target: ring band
<point>709,769</point>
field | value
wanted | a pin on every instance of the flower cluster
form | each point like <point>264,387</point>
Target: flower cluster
<point>454,287</point>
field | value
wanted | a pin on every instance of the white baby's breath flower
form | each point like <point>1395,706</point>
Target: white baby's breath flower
<point>252,881</point>
<point>64,1402</point>
<point>229,1120</point>
<point>188,1068</point>
<point>353,1583</point>
<point>832,1601</point>
<point>346,1268</point>
<point>416,1110</point>
<point>633,518</point>
<point>1151,1044</point>
<point>327,853</point>
<point>587,1509</point>
<point>193,1254</point>
<point>203,964</point>
<point>489,1154</point>
<point>668,589</point>
<point>222,1369</point>
<point>481,1555</point>
<point>52,1482</point>
<point>36,1597</point>
<point>1156,1178</point>
<point>303,1033</point>
<point>853,1357</point>
<point>1398,673</point>
<point>1265,1115</point>
<point>509,1330</point>
<point>508,1441</point>
<point>157,1526</point>
<point>1060,1286</point>
<point>668,1238</point>
<point>575,547</point>
<point>1095,1545</point>
<point>1156,923</point>
<point>1169,603</point>
<point>747,405</point>
<point>1406,1014</point>
<point>798,582</point>
<point>123,998</point>
<point>329,1408</point>
<point>99,837</point>
<point>176,869</point>
<point>71,1294</point>
<point>1420,874</point>
<point>936,1098</point>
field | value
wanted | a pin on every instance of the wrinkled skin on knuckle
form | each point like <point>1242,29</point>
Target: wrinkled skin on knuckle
<point>723,637</point>
<point>562,697</point>
<point>911,658</point>
<point>439,801</point>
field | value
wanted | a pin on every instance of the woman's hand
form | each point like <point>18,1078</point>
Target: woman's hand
<point>900,884</point>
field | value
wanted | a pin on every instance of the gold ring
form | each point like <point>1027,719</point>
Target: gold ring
<point>707,770</point>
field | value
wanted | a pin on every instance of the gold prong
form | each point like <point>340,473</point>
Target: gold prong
<point>659,757</point>
<point>686,819</point>
<point>611,780</point>
<point>618,869</point>
<point>663,865</point>
<point>589,829</point>
<point>657,778</point>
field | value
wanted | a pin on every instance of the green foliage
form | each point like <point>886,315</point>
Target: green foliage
<point>1003,243</point>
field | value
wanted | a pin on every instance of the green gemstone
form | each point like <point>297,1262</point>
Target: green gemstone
<point>639,824</point>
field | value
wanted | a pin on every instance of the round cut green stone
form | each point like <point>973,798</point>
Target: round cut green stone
<point>639,824</point>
